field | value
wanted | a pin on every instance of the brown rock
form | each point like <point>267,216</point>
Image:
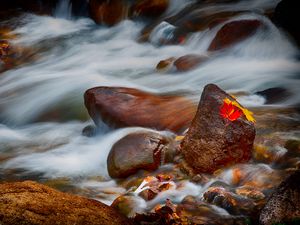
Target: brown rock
<point>127,107</point>
<point>32,203</point>
<point>149,8</point>
<point>234,32</point>
<point>165,64</point>
<point>127,205</point>
<point>146,150</point>
<point>233,203</point>
<point>212,141</point>
<point>195,211</point>
<point>189,62</point>
<point>4,48</point>
<point>108,12</point>
<point>283,206</point>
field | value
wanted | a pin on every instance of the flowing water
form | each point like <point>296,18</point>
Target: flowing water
<point>74,54</point>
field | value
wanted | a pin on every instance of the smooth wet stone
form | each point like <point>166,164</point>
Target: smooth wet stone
<point>189,62</point>
<point>234,32</point>
<point>128,107</point>
<point>108,12</point>
<point>274,95</point>
<point>231,202</point>
<point>165,64</point>
<point>149,8</point>
<point>194,211</point>
<point>283,207</point>
<point>31,203</point>
<point>128,205</point>
<point>214,142</point>
<point>139,151</point>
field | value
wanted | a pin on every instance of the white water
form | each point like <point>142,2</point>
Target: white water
<point>84,55</point>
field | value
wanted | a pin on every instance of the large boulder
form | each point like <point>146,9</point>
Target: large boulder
<point>127,107</point>
<point>221,134</point>
<point>108,12</point>
<point>31,203</point>
<point>234,32</point>
<point>283,206</point>
<point>149,8</point>
<point>141,150</point>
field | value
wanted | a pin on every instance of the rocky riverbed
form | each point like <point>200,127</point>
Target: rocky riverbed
<point>149,112</point>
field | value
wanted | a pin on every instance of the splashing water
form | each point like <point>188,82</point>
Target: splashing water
<point>76,54</point>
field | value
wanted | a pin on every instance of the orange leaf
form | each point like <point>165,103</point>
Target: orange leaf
<point>230,111</point>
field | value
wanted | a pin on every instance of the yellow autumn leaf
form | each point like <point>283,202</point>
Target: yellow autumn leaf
<point>248,114</point>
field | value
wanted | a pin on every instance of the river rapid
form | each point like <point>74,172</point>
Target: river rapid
<point>42,113</point>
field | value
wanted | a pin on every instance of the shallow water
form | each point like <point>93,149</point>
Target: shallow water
<point>74,54</point>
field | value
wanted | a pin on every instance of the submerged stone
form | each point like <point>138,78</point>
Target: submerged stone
<point>234,32</point>
<point>108,12</point>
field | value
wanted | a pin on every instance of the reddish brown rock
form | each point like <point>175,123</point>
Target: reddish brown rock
<point>149,8</point>
<point>108,12</point>
<point>234,32</point>
<point>141,150</point>
<point>213,141</point>
<point>4,48</point>
<point>31,203</point>
<point>127,107</point>
<point>189,62</point>
<point>283,206</point>
<point>233,203</point>
<point>165,64</point>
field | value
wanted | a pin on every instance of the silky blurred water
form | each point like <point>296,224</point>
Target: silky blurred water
<point>74,54</point>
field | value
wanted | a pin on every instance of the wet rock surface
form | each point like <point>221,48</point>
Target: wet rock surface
<point>234,32</point>
<point>212,141</point>
<point>32,203</point>
<point>284,204</point>
<point>189,62</point>
<point>127,107</point>
<point>143,150</point>
<point>108,12</point>
<point>274,95</point>
<point>149,8</point>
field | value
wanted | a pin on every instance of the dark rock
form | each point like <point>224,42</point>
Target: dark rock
<point>195,211</point>
<point>234,32</point>
<point>127,107</point>
<point>108,12</point>
<point>149,8</point>
<point>89,131</point>
<point>274,95</point>
<point>142,150</point>
<point>283,207</point>
<point>231,202</point>
<point>31,203</point>
<point>80,7</point>
<point>214,142</point>
<point>287,16</point>
<point>189,62</point>
<point>293,147</point>
<point>37,6</point>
